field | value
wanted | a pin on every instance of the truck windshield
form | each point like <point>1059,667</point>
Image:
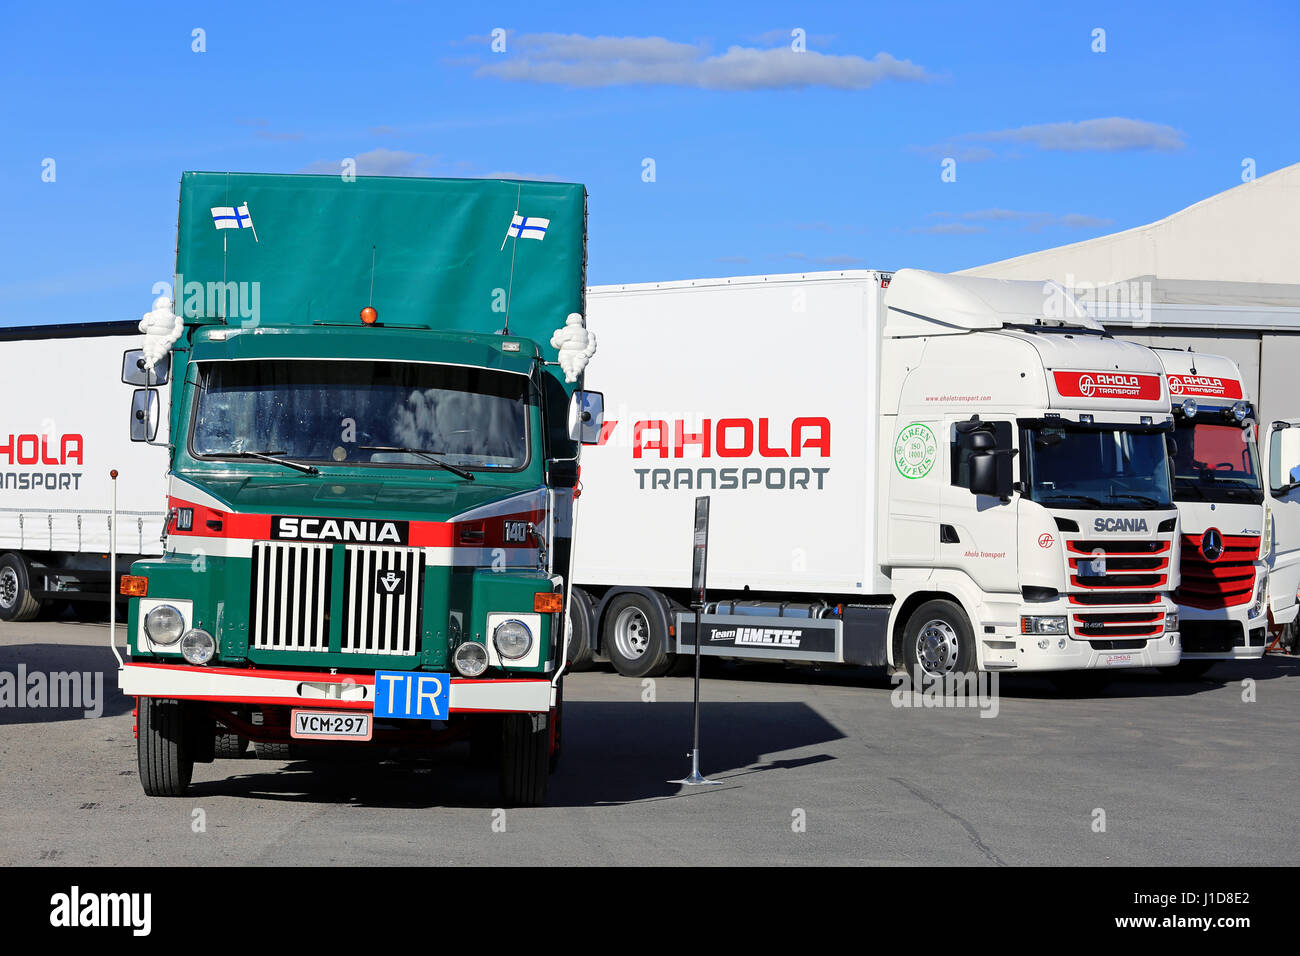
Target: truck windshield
<point>1215,461</point>
<point>1079,467</point>
<point>363,413</point>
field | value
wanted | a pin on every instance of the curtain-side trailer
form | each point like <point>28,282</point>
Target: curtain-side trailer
<point>61,437</point>
<point>916,470</point>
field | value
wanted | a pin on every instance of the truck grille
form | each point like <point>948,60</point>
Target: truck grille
<point>381,609</point>
<point>1112,592</point>
<point>1227,582</point>
<point>291,596</point>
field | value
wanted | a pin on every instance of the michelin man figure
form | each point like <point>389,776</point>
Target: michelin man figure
<point>161,329</point>
<point>576,344</point>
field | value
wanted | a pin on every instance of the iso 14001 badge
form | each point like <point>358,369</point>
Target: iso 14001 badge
<point>915,451</point>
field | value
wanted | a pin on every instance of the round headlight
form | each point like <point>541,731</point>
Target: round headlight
<point>164,625</point>
<point>513,639</point>
<point>470,659</point>
<point>1240,410</point>
<point>1189,407</point>
<point>198,646</point>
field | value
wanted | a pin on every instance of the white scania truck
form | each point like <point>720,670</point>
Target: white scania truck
<point>915,470</point>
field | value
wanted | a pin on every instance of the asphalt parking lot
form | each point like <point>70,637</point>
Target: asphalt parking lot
<point>815,768</point>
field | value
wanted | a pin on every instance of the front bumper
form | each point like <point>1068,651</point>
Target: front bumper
<point>284,688</point>
<point>1022,653</point>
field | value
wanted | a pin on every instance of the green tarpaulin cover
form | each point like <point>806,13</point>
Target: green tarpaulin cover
<point>437,247</point>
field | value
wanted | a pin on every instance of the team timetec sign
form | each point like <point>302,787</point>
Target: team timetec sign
<point>1135,386</point>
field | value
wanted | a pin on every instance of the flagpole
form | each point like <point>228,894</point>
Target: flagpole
<point>251,225</point>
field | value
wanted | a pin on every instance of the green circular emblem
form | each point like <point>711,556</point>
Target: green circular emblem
<point>915,451</point>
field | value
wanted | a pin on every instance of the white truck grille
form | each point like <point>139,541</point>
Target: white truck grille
<point>291,596</point>
<point>381,603</point>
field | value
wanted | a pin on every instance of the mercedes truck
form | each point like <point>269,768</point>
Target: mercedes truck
<point>918,471</point>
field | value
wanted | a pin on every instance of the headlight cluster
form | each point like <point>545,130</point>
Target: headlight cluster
<point>164,625</point>
<point>1171,621</point>
<point>1043,624</point>
<point>513,639</point>
<point>1257,608</point>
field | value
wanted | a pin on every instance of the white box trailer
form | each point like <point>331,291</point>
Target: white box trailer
<point>916,470</point>
<point>65,429</point>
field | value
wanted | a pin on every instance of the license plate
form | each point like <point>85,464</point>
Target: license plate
<point>317,724</point>
<point>412,695</point>
<point>1119,660</point>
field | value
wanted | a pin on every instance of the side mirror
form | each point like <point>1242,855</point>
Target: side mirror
<point>134,372</point>
<point>144,414</point>
<point>990,473</point>
<point>586,417</point>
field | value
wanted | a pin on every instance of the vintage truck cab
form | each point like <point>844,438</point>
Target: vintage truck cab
<point>371,493</point>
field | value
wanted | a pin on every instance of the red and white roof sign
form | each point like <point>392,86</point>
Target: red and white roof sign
<point>1134,386</point>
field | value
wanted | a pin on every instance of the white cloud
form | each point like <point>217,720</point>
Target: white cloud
<point>583,61</point>
<point>964,223</point>
<point>1111,134</point>
<point>378,162</point>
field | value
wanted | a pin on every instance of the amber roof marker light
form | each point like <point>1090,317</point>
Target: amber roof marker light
<point>369,316</point>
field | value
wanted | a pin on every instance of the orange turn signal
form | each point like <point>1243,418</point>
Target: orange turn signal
<point>134,586</point>
<point>369,316</point>
<point>548,603</point>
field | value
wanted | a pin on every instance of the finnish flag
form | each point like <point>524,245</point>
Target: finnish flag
<point>232,217</point>
<point>527,227</point>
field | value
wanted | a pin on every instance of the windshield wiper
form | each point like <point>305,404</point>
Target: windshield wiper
<point>426,455</point>
<point>1145,499</point>
<point>271,456</point>
<point>1089,499</point>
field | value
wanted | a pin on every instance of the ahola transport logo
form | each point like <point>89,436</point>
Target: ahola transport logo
<point>1087,386</point>
<point>915,451</point>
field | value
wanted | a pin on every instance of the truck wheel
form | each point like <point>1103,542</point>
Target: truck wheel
<point>16,600</point>
<point>938,639</point>
<point>230,747</point>
<point>580,614</point>
<point>161,748</point>
<point>635,637</point>
<point>1186,670</point>
<point>271,751</point>
<point>525,759</point>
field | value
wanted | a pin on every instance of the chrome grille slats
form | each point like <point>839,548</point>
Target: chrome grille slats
<point>290,591</point>
<point>376,621</point>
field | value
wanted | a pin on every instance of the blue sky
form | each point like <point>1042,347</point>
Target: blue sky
<point>765,160</point>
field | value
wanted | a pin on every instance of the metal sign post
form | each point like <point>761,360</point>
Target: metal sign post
<point>699,568</point>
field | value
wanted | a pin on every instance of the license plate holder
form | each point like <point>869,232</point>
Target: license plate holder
<point>331,725</point>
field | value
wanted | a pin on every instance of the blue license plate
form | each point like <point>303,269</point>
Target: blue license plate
<point>412,695</point>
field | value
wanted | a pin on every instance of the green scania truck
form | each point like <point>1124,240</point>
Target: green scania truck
<point>371,403</point>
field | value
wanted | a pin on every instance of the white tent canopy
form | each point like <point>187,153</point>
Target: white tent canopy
<point>1247,234</point>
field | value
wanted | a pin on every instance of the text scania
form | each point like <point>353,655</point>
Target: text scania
<point>732,438</point>
<point>1119,524</point>
<point>337,529</point>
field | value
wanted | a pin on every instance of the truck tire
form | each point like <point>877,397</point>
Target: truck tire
<point>162,749</point>
<point>230,747</point>
<point>16,601</point>
<point>581,614</point>
<point>1290,639</point>
<point>635,636</point>
<point>525,759</point>
<point>938,639</point>
<point>266,750</point>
